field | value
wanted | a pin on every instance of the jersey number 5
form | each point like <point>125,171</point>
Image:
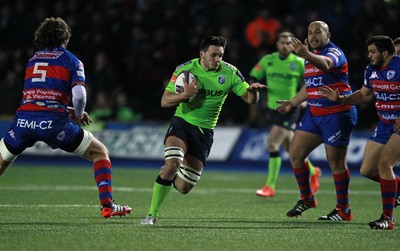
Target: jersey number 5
<point>42,72</point>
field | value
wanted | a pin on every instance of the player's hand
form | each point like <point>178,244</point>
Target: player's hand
<point>329,93</point>
<point>298,47</point>
<point>255,87</point>
<point>285,106</point>
<point>80,120</point>
<point>190,89</point>
<point>85,119</point>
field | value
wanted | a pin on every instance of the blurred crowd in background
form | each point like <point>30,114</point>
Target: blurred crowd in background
<point>131,47</point>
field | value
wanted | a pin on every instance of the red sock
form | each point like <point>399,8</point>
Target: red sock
<point>303,180</point>
<point>103,177</point>
<point>388,192</point>
<point>342,181</point>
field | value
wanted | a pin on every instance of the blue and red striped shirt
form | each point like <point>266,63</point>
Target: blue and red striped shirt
<point>385,82</point>
<point>336,78</point>
<point>49,78</point>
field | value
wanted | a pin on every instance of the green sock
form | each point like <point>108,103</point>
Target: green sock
<point>311,167</point>
<point>160,192</point>
<point>274,166</point>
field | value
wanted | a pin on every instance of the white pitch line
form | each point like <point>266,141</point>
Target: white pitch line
<point>43,205</point>
<point>197,190</point>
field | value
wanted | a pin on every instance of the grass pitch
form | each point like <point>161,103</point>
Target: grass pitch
<point>56,208</point>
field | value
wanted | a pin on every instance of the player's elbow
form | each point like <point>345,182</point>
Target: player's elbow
<point>165,104</point>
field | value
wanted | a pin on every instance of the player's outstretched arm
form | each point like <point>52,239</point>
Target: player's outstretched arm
<point>252,94</point>
<point>287,105</point>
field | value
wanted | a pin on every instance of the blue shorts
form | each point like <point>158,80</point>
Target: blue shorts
<point>382,133</point>
<point>335,129</point>
<point>198,140</point>
<point>55,129</point>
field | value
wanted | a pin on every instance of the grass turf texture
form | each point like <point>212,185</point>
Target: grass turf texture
<point>56,208</point>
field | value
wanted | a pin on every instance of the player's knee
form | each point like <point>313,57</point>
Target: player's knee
<point>181,185</point>
<point>184,190</point>
<point>96,151</point>
<point>174,155</point>
<point>5,155</point>
<point>189,175</point>
<point>368,174</point>
<point>87,145</point>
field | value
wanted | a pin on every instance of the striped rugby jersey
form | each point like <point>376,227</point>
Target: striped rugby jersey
<point>385,82</point>
<point>49,78</point>
<point>336,78</point>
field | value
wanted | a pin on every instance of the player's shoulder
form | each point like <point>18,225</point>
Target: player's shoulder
<point>294,57</point>
<point>331,47</point>
<point>396,60</point>
<point>186,65</point>
<point>228,66</point>
<point>270,57</point>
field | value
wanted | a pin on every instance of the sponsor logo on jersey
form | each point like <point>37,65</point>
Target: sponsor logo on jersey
<point>47,55</point>
<point>387,106</point>
<point>373,75</point>
<point>390,74</point>
<point>387,96</point>
<point>385,86</point>
<point>204,92</point>
<point>221,79</point>
<point>173,78</point>
<point>280,75</point>
<point>33,124</point>
<point>387,116</point>
<point>311,70</point>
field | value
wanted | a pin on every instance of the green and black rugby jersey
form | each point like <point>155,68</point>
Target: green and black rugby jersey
<point>284,76</point>
<point>214,86</point>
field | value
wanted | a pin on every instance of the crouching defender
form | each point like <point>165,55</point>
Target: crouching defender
<point>51,75</point>
<point>189,138</point>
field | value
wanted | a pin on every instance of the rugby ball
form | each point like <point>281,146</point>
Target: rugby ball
<point>179,84</point>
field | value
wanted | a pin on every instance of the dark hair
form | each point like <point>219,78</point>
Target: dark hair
<point>382,43</point>
<point>212,40</point>
<point>51,33</point>
<point>285,34</point>
<point>396,41</point>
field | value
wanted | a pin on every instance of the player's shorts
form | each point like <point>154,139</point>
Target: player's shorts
<point>56,130</point>
<point>287,121</point>
<point>382,133</point>
<point>198,140</point>
<point>335,129</point>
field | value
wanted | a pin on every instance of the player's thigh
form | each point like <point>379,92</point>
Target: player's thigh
<point>369,166</point>
<point>389,157</point>
<point>174,152</point>
<point>303,143</point>
<point>277,136</point>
